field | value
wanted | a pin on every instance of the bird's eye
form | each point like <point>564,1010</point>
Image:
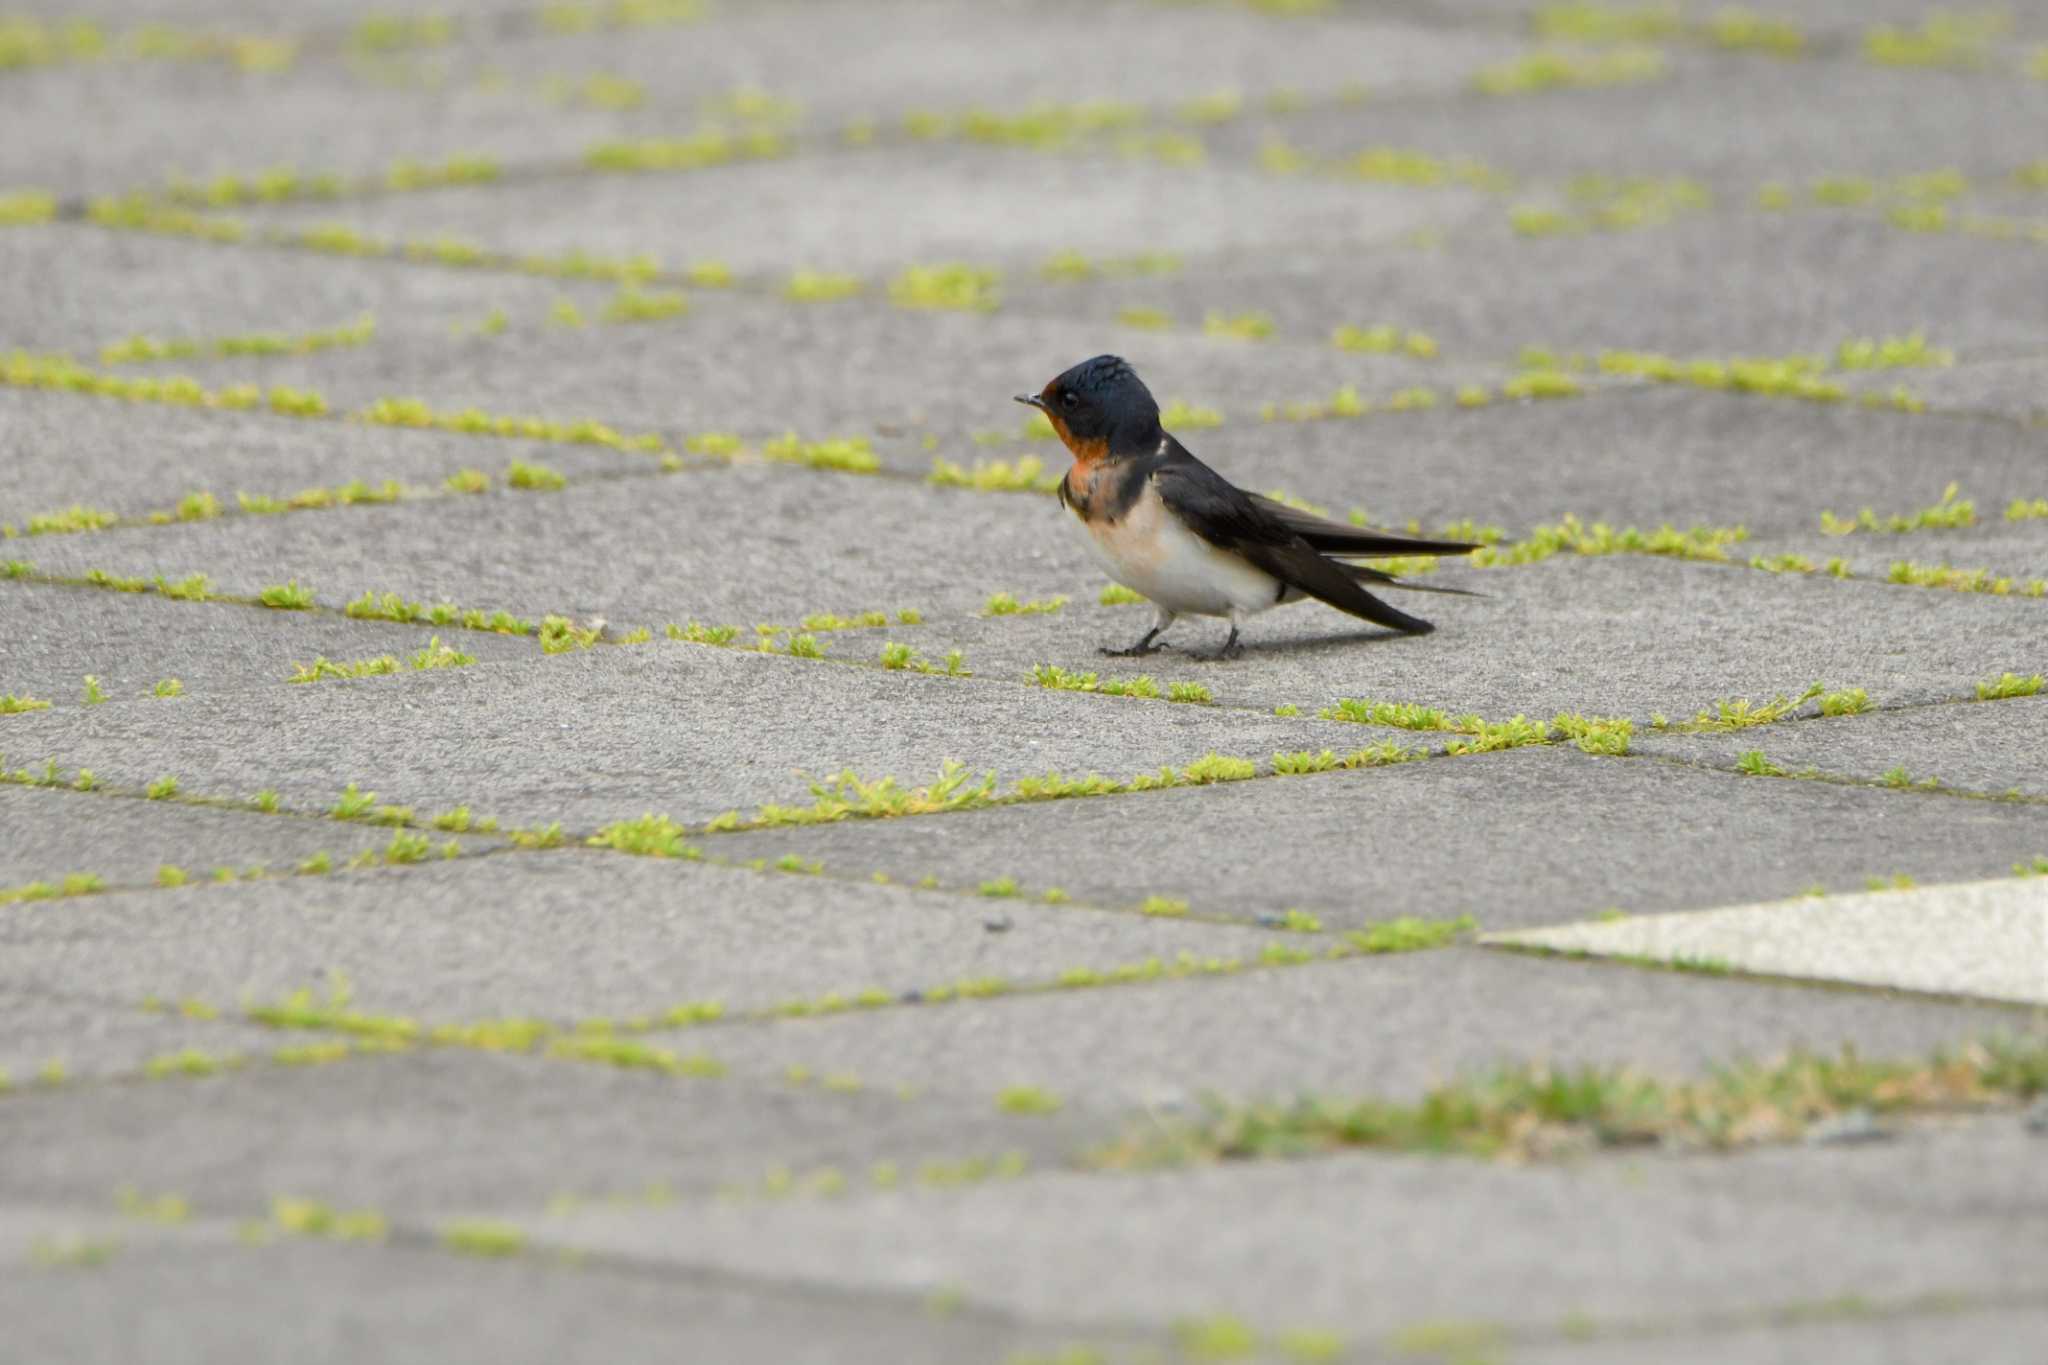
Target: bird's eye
<point>1070,399</point>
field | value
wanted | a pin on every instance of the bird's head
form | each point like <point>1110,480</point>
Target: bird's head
<point>1100,408</point>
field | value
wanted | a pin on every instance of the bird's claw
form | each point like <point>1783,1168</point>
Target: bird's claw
<point>1132,651</point>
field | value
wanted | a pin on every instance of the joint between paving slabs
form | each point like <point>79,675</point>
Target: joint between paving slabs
<point>1720,969</point>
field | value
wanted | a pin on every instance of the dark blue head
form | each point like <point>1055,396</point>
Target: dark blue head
<point>1100,407</point>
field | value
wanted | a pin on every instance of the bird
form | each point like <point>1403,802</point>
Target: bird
<point>1179,534</point>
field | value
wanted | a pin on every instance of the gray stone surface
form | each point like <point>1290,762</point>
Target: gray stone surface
<point>1387,1026</point>
<point>986,209</point>
<point>2016,550</point>
<point>439,1133</point>
<point>850,1187</point>
<point>1514,839</point>
<point>689,730</point>
<point>105,287</point>
<point>1994,1334</point>
<point>53,833</point>
<point>1811,280</point>
<point>1565,634</point>
<point>62,1038</point>
<point>1988,940</point>
<point>712,545</point>
<point>1992,748</point>
<point>132,642</point>
<point>1733,124</point>
<point>335,1302</point>
<point>569,936</point>
<point>1441,1240</point>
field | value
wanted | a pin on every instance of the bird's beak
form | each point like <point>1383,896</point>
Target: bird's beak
<point>1031,400</point>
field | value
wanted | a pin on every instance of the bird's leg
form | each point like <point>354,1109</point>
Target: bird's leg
<point>1160,621</point>
<point>1231,648</point>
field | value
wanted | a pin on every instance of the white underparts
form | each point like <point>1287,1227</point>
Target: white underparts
<point>1152,552</point>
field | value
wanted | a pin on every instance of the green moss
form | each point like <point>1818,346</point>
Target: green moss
<point>1027,1099</point>
<point>11,705</point>
<point>1003,604</point>
<point>1524,1111</point>
<point>950,286</point>
<point>1949,512</point>
<point>287,597</point>
<point>71,520</point>
<point>1907,572</point>
<point>1852,701</point>
<point>163,789</point>
<point>1408,934</point>
<point>1607,735</point>
<point>2009,685</point>
<point>169,687</point>
<point>534,477</point>
<point>851,455</point>
<point>481,1237</point>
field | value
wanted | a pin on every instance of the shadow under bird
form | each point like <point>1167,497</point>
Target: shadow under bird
<point>1175,531</point>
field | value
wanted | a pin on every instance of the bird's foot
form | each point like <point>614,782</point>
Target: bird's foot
<point>1230,649</point>
<point>1136,651</point>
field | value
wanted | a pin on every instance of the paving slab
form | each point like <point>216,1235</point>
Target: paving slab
<point>1987,747</point>
<point>54,1040</point>
<point>1810,280</point>
<point>990,207</point>
<point>1998,547</point>
<point>689,730</point>
<point>98,287</point>
<point>338,1302</point>
<point>1987,940</point>
<point>54,833</point>
<point>1737,121</point>
<point>1287,1244</point>
<point>743,545</point>
<point>1643,455</point>
<point>571,936</point>
<point>433,1133</point>
<point>58,634</point>
<point>112,128</point>
<point>1995,1335</point>
<point>1565,634</point>
<point>1390,1026</point>
<point>856,366</point>
<point>919,56</point>
<point>1565,835</point>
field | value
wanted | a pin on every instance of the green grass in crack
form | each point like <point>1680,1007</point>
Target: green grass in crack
<point>534,477</point>
<point>698,634</point>
<point>1752,763</point>
<point>650,836</point>
<point>1026,475</point>
<point>1003,604</point>
<point>1740,713</point>
<point>1949,512</point>
<point>1952,579</point>
<point>852,455</point>
<point>1532,1110</point>
<point>1571,536</point>
<point>2008,685</point>
<point>287,597</point>
<point>11,705</point>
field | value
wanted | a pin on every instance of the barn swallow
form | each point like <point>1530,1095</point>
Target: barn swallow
<point>1172,529</point>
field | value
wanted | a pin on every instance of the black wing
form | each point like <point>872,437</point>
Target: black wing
<point>1353,542</point>
<point>1231,519</point>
